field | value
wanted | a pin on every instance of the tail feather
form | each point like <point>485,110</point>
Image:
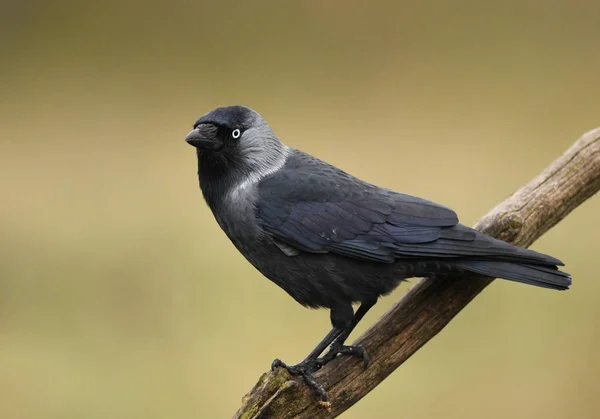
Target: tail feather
<point>538,275</point>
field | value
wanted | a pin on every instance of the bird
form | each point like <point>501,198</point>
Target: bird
<point>331,240</point>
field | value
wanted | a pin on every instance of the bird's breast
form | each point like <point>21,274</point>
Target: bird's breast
<point>236,215</point>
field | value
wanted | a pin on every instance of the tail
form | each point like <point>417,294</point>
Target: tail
<point>542,275</point>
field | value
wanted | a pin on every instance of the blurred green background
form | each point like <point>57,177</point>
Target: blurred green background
<point>121,298</point>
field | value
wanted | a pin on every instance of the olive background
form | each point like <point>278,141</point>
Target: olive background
<point>121,298</point>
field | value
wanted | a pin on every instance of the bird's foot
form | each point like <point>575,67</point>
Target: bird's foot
<point>305,369</point>
<point>352,350</point>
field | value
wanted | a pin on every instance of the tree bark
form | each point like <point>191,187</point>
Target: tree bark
<point>431,304</point>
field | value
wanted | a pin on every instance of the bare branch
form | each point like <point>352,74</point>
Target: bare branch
<point>430,305</point>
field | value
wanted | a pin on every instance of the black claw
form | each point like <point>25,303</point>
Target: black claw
<point>315,386</point>
<point>358,351</point>
<point>305,370</point>
<point>277,363</point>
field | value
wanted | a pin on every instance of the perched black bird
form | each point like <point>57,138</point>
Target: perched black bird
<point>329,239</point>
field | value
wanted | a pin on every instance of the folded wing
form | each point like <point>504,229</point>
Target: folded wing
<point>322,209</point>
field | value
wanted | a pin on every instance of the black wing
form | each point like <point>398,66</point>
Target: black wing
<point>315,207</point>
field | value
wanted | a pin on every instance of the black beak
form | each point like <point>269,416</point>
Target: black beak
<point>204,136</point>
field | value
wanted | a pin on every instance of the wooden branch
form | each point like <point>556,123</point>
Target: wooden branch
<point>430,305</point>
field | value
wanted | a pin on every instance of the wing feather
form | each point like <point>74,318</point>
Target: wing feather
<point>318,208</point>
<point>311,206</point>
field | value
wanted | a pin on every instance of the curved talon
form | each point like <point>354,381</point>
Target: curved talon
<point>277,363</point>
<point>358,351</point>
<point>311,381</point>
<point>305,370</point>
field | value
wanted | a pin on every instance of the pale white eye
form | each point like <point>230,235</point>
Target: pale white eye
<point>236,133</point>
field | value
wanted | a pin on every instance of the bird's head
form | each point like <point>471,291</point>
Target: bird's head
<point>234,143</point>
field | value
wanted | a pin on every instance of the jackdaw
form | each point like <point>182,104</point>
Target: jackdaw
<point>331,240</point>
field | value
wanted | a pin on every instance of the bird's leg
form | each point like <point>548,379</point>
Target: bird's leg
<point>338,347</point>
<point>341,318</point>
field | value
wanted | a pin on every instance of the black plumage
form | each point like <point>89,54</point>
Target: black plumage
<point>329,239</point>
